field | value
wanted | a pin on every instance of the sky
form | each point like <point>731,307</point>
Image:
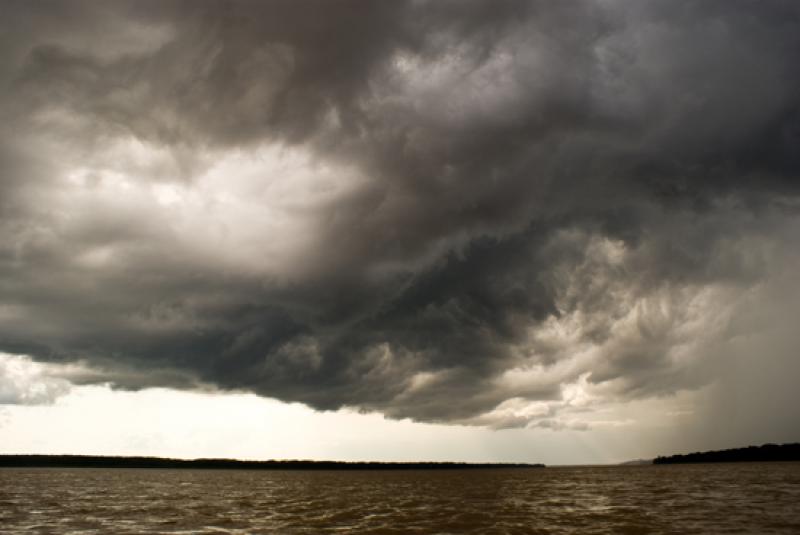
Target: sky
<point>529,231</point>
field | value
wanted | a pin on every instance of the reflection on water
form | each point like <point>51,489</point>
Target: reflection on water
<point>746,498</point>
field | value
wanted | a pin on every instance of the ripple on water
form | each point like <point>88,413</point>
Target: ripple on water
<point>760,498</point>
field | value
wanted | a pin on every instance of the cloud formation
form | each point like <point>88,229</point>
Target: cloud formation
<point>23,382</point>
<point>495,213</point>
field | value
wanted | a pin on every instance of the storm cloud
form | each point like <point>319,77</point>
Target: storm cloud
<point>495,213</point>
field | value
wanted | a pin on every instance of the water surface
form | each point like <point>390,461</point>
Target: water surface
<point>721,498</point>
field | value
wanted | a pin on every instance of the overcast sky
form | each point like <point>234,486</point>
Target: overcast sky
<point>565,231</point>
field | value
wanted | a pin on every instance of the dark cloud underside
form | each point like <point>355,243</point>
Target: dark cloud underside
<point>475,203</point>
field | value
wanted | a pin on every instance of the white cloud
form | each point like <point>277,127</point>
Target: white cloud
<point>23,382</point>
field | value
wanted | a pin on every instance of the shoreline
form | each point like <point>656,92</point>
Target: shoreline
<point>102,461</point>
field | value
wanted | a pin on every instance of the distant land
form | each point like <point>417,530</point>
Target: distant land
<point>767,452</point>
<point>100,461</point>
<point>637,462</point>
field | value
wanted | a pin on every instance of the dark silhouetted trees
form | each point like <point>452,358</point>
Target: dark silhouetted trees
<point>94,461</point>
<point>767,452</point>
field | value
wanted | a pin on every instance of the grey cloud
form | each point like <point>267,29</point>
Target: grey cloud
<point>26,383</point>
<point>515,169</point>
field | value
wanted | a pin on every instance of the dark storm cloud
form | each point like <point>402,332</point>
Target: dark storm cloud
<point>525,185</point>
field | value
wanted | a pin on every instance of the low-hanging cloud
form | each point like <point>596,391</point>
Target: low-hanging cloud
<point>448,211</point>
<point>23,382</point>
